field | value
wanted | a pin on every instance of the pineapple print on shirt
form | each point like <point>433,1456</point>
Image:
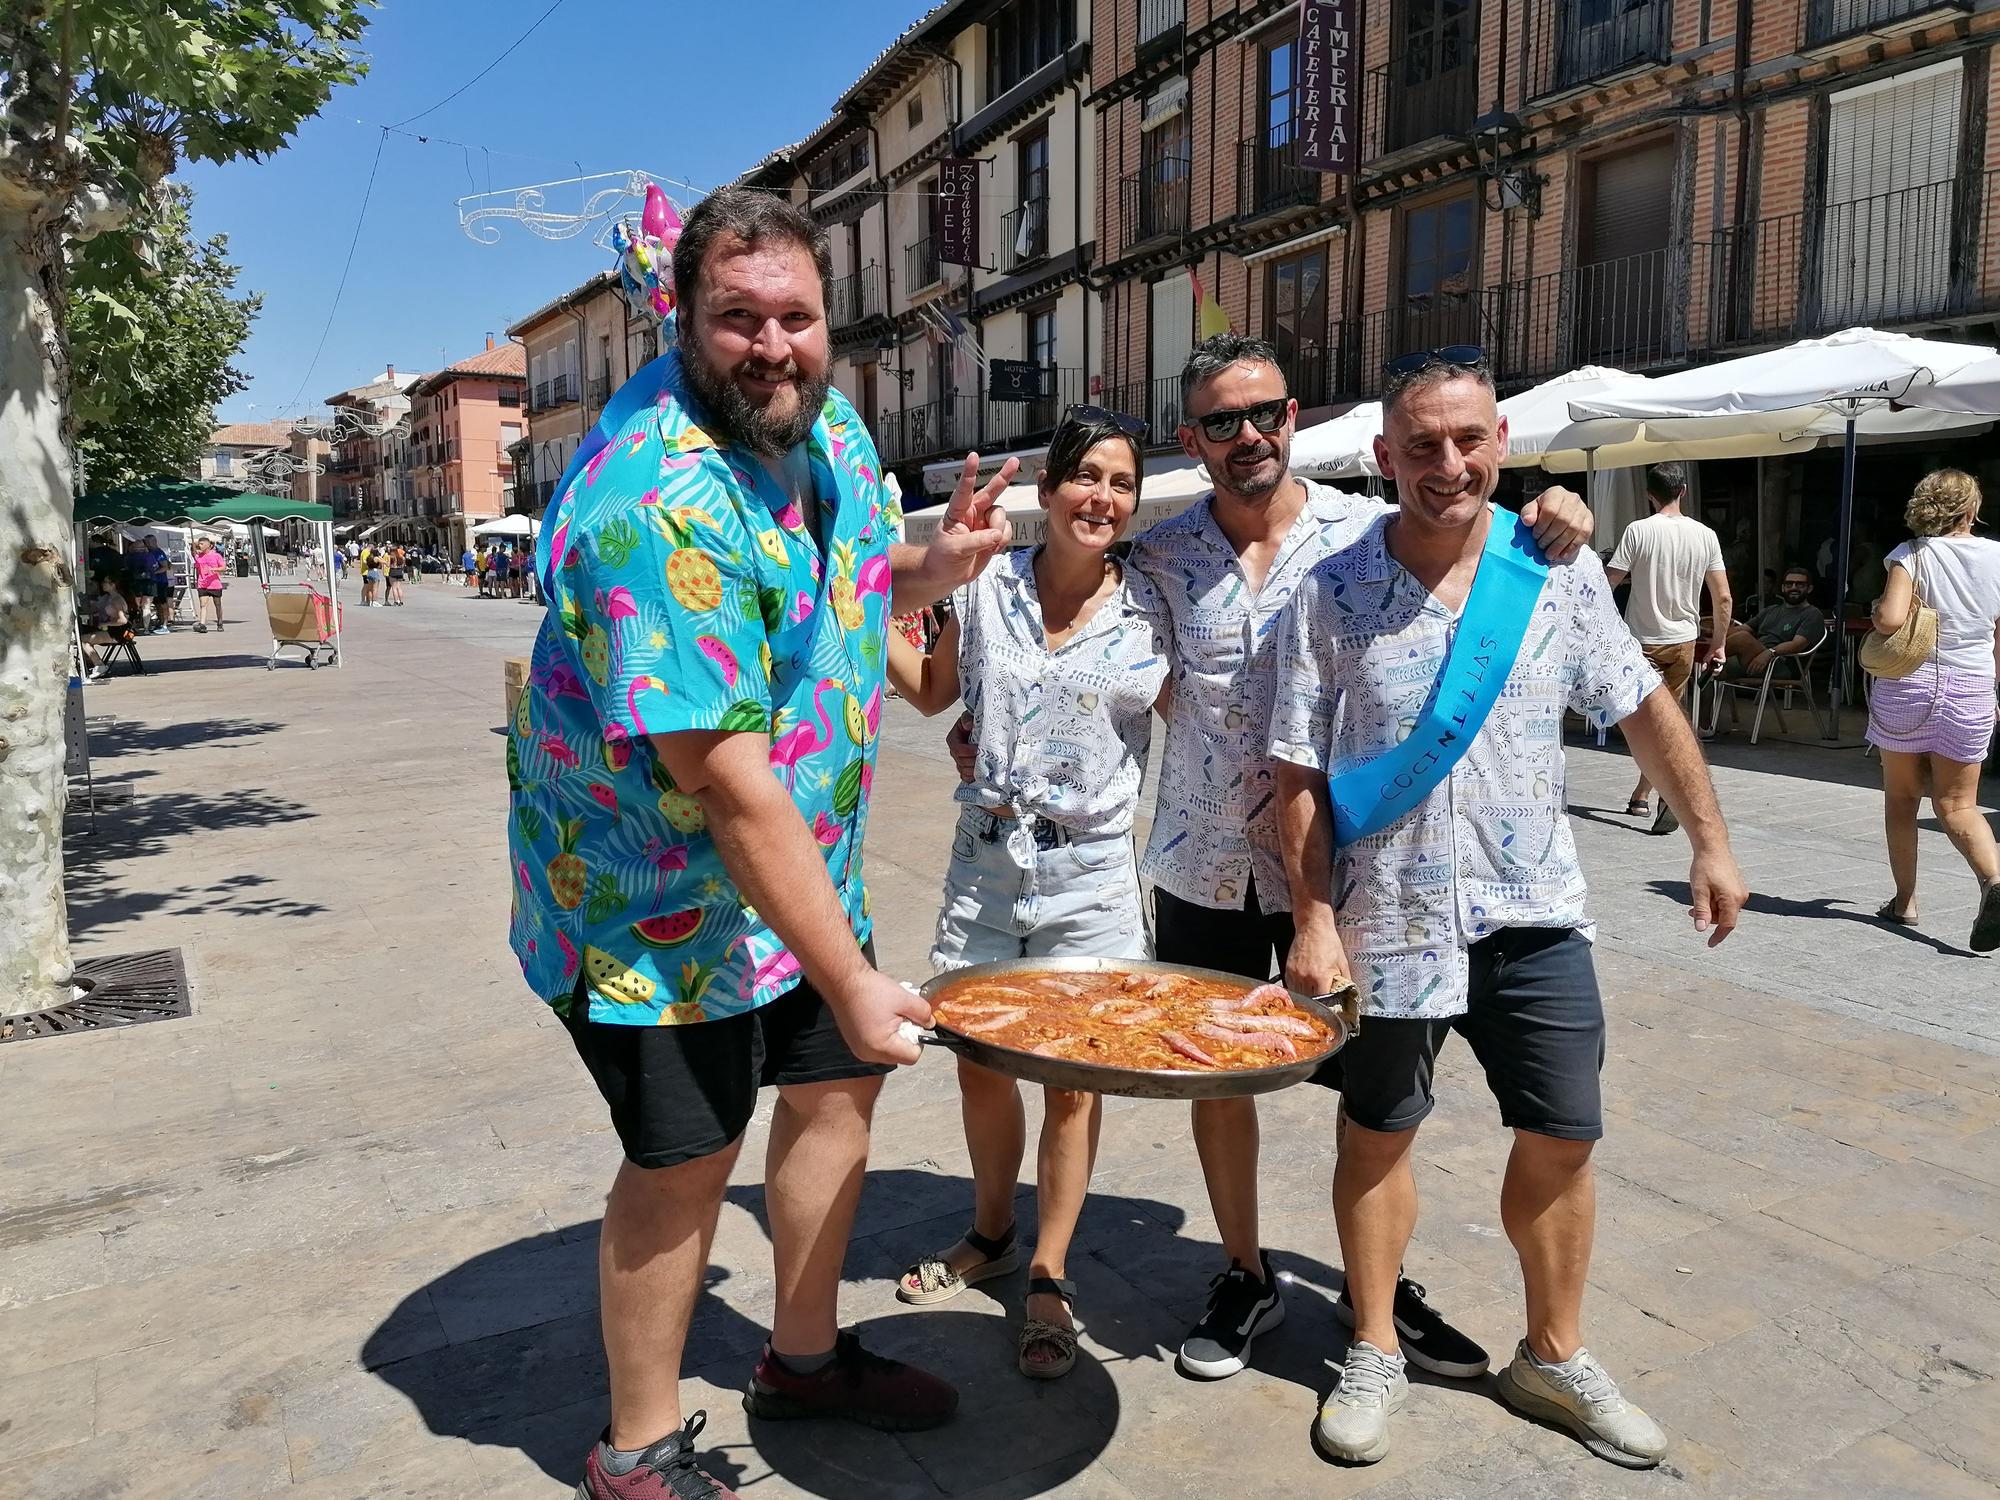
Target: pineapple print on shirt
<point>686,592</point>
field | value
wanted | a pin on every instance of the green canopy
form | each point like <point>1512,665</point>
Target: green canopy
<point>167,500</point>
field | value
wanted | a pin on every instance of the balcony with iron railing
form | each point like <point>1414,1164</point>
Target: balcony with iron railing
<point>1574,42</point>
<point>856,298</point>
<point>1024,235</point>
<point>1834,20</point>
<point>562,390</point>
<point>1918,257</point>
<point>1018,424</point>
<point>541,396</point>
<point>949,424</point>
<point>1161,22</point>
<point>1155,199</point>
<point>600,389</point>
<point>920,264</point>
<point>1418,96</point>
<point>1157,402</point>
<point>1269,176</point>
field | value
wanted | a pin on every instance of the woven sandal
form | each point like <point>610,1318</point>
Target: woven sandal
<point>1035,1332</point>
<point>937,1282</point>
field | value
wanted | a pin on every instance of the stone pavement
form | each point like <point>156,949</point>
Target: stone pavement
<point>333,1237</point>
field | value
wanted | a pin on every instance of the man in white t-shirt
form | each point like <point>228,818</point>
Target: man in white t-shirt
<point>1669,556</point>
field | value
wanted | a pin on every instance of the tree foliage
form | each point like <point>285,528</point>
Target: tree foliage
<point>144,84</point>
<point>152,329</point>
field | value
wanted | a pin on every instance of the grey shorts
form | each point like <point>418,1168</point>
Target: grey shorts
<point>1008,897</point>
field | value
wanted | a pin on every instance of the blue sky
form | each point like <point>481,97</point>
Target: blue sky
<point>696,91</point>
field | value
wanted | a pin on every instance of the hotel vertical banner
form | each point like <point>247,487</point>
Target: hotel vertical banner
<point>958,211</point>
<point>1326,109</point>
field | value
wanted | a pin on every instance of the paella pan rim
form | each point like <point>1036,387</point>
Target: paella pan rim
<point>1131,1083</point>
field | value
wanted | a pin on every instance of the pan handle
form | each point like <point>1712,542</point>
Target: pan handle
<point>909,1031</point>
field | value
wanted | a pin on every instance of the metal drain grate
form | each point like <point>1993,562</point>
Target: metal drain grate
<point>128,989</point>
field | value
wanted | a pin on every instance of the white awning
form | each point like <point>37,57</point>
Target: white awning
<point>1172,483</point>
<point>1292,247</point>
<point>1168,100</point>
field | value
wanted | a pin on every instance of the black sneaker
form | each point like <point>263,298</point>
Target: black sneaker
<point>1239,1308</point>
<point>1428,1341</point>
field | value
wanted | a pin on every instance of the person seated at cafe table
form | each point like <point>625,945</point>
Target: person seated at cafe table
<point>1788,628</point>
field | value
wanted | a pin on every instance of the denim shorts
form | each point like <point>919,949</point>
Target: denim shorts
<point>1006,897</point>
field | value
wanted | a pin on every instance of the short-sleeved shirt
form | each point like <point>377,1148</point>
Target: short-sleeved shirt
<point>685,593</point>
<point>1060,734</point>
<point>157,565</point>
<point>208,570</point>
<point>1669,558</point>
<point>1490,847</point>
<point>1216,822</point>
<point>1784,622</point>
<point>1961,581</point>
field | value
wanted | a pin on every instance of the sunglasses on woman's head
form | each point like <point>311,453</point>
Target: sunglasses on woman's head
<point>1098,416</point>
<point>1454,356</point>
<point>1265,416</point>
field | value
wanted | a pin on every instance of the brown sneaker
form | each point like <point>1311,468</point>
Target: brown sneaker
<point>859,1386</point>
<point>665,1471</point>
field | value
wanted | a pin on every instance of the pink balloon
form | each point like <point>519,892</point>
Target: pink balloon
<point>659,213</point>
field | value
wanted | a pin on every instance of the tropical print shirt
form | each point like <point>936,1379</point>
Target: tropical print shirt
<point>1060,734</point>
<point>1490,847</point>
<point>1216,822</point>
<point>686,592</point>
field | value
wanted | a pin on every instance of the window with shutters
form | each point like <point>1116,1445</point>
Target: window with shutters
<point>1166,162</point>
<point>1172,341</point>
<point>1625,239</point>
<point>1891,159</point>
<point>1295,317</point>
<point>1439,305</point>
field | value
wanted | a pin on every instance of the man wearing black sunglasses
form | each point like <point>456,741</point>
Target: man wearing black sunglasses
<point>1224,570</point>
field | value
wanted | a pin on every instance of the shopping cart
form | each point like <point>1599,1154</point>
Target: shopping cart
<point>302,618</point>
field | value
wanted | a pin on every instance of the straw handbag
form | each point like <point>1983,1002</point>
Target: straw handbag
<point>1898,655</point>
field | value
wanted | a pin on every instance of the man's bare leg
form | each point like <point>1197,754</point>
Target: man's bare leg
<point>1548,1205</point>
<point>652,1258</point>
<point>812,1186</point>
<point>1226,1139</point>
<point>1375,1209</point>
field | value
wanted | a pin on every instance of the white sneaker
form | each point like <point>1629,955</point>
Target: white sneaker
<point>1580,1395</point>
<point>1354,1423</point>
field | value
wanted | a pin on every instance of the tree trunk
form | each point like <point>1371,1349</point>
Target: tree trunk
<point>36,583</point>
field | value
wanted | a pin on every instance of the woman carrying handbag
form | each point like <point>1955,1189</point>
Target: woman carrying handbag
<point>1935,658</point>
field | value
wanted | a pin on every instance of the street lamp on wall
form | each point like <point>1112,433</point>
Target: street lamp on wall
<point>901,375</point>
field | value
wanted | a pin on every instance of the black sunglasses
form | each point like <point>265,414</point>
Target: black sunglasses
<point>1098,416</point>
<point>1455,356</point>
<point>1265,416</point>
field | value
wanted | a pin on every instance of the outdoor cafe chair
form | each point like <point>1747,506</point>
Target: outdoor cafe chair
<point>1771,688</point>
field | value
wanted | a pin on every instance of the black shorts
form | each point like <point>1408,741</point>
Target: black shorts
<point>679,1093</point>
<point>1244,941</point>
<point>1535,1020</point>
<point>215,594</point>
<point>163,591</point>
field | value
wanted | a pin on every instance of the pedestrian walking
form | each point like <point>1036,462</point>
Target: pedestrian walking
<point>690,786</point>
<point>1669,557</point>
<point>398,570</point>
<point>1061,670</point>
<point>373,578</point>
<point>1421,679</point>
<point>1934,726</point>
<point>208,583</point>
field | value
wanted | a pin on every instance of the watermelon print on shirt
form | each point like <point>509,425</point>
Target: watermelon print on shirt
<point>686,593</point>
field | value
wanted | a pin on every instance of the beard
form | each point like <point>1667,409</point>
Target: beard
<point>1273,454</point>
<point>766,430</point>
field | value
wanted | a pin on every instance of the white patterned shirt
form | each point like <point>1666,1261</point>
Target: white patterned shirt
<point>1060,734</point>
<point>1490,847</point>
<point>1216,821</point>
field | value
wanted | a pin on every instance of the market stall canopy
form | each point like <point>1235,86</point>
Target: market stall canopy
<point>193,500</point>
<point>508,526</point>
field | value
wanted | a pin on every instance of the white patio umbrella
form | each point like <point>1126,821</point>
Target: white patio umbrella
<point>1341,448</point>
<point>1852,384</point>
<point>508,526</point>
<point>1973,388</point>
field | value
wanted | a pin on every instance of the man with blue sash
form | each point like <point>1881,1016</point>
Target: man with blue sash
<point>1416,728</point>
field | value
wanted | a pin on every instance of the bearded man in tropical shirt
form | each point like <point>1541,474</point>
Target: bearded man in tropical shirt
<point>690,766</point>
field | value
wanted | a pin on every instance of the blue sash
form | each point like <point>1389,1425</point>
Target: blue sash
<point>1369,797</point>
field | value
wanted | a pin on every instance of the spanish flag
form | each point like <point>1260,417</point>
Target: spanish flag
<point>1209,318</point>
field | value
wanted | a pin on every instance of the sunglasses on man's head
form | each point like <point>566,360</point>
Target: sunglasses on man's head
<point>1265,416</point>
<point>1451,356</point>
<point>1098,416</point>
